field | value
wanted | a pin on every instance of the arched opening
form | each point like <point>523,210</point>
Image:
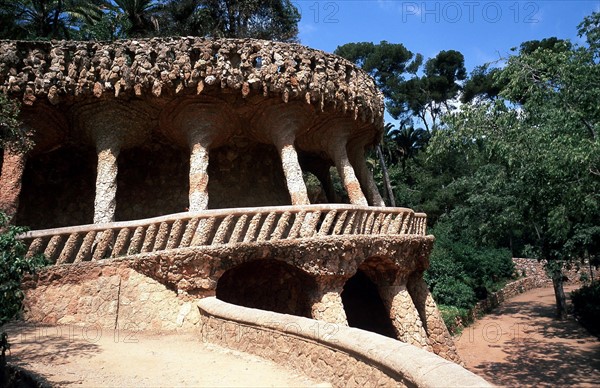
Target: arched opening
<point>153,180</point>
<point>267,285</point>
<point>58,188</point>
<point>364,307</point>
<point>314,188</point>
<point>246,174</point>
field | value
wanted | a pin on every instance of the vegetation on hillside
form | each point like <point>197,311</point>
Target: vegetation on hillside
<point>512,171</point>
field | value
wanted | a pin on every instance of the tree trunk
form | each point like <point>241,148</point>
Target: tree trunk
<point>386,177</point>
<point>559,292</point>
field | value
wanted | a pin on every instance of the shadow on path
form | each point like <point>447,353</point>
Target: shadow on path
<point>520,343</point>
<point>54,345</point>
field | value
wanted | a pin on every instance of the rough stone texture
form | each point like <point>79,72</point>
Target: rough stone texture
<point>310,358</point>
<point>340,157</point>
<point>404,315</point>
<point>323,263</point>
<point>534,270</point>
<point>13,164</point>
<point>437,333</point>
<point>357,158</point>
<point>340,355</point>
<point>535,277</point>
<point>326,301</point>
<point>280,125</point>
<point>57,70</point>
<point>105,202</point>
<point>198,177</point>
<point>107,294</point>
<point>207,96</point>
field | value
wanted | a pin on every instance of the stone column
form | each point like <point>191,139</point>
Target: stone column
<point>326,301</point>
<point>357,157</point>
<point>337,151</point>
<point>284,141</point>
<point>13,164</point>
<point>403,313</point>
<point>199,148</point>
<point>437,333</point>
<point>105,202</point>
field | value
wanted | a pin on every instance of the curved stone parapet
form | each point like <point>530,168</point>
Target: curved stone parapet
<point>217,228</point>
<point>340,355</point>
<point>61,70</point>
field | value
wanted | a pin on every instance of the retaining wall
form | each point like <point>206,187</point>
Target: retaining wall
<point>340,355</point>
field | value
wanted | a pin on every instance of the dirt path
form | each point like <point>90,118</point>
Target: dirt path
<point>89,357</point>
<point>520,344</point>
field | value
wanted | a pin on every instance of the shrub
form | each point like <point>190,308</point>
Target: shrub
<point>586,306</point>
<point>455,318</point>
<point>13,265</point>
<point>462,272</point>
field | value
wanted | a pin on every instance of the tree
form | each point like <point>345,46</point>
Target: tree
<point>270,20</point>
<point>541,140</point>
<point>428,97</point>
<point>46,19</point>
<point>482,83</point>
<point>140,15</point>
<point>387,63</point>
<point>113,19</point>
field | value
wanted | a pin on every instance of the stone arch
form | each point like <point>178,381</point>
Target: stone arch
<point>152,181</point>
<point>365,309</point>
<point>58,188</point>
<point>268,284</point>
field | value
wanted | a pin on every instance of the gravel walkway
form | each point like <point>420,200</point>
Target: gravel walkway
<point>521,344</point>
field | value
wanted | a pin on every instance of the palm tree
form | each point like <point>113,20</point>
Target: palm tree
<point>141,16</point>
<point>408,142</point>
<point>46,19</point>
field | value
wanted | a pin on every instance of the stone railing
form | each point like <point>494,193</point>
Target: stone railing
<point>219,227</point>
<point>149,67</point>
<point>340,355</point>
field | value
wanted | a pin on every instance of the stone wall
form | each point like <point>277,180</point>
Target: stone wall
<point>342,356</point>
<point>107,294</point>
<point>534,277</point>
<point>534,269</point>
<point>154,287</point>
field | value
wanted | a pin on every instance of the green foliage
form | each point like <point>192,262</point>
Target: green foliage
<point>461,271</point>
<point>586,306</point>
<point>533,156</point>
<point>47,19</point>
<point>455,318</point>
<point>388,63</point>
<point>12,133</point>
<point>13,265</point>
<point>482,83</point>
<point>114,19</point>
<point>428,97</point>
<point>271,20</point>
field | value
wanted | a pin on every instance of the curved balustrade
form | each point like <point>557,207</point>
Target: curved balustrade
<point>219,227</point>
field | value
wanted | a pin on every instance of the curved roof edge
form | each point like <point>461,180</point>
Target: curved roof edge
<point>64,71</point>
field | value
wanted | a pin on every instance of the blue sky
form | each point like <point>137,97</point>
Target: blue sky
<point>482,30</point>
